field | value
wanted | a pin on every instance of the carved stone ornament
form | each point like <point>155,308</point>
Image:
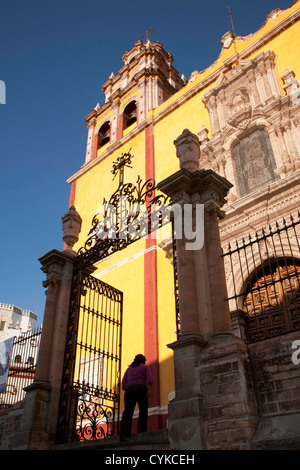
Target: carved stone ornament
<point>53,276</point>
<point>245,103</point>
<point>227,40</point>
<point>291,85</point>
<point>188,150</point>
<point>71,227</point>
<point>241,91</point>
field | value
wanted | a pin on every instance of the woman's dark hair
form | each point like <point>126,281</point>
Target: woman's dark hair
<point>139,359</point>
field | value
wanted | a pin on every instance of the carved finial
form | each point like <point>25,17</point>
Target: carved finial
<point>188,150</point>
<point>71,226</point>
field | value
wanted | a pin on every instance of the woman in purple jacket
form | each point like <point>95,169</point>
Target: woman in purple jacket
<point>136,382</point>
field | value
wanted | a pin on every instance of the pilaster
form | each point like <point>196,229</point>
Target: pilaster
<point>115,122</point>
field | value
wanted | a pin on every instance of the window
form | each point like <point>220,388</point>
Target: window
<point>104,134</point>
<point>255,162</point>
<point>18,359</point>
<point>130,114</point>
<point>91,375</point>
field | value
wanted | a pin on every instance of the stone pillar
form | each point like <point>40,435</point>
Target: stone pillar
<point>201,286</point>
<point>207,342</point>
<point>204,265</point>
<point>39,422</point>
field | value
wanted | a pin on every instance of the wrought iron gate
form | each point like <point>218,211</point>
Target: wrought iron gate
<point>89,406</point>
<point>90,392</point>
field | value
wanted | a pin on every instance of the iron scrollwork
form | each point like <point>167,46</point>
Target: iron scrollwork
<point>94,418</point>
<point>135,206</point>
<point>97,406</point>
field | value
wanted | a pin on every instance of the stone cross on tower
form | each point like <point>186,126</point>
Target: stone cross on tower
<point>147,34</point>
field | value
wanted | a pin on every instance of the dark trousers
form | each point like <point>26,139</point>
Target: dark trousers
<point>134,394</point>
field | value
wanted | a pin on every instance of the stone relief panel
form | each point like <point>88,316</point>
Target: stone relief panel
<point>245,98</point>
<point>254,161</point>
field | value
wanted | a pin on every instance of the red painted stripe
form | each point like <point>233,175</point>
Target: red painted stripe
<point>149,163</point>
<point>120,127</point>
<point>95,147</point>
<point>150,292</point>
<point>72,194</point>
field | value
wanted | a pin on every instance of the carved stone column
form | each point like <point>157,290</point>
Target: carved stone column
<point>205,265</point>
<point>202,290</point>
<point>42,396</point>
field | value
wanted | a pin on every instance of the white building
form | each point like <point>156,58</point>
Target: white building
<point>15,321</point>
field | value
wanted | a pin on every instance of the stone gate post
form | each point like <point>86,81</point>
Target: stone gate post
<point>204,311</point>
<point>39,422</point>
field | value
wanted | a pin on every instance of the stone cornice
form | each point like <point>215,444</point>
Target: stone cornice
<point>200,186</point>
<point>52,264</point>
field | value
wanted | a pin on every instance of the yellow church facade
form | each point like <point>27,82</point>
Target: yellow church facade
<point>244,110</point>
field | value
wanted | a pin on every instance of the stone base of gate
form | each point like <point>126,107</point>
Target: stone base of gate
<point>230,413</point>
<point>33,432</point>
<point>215,407</point>
<point>185,410</point>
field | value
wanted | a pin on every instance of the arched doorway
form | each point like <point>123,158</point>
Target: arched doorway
<point>272,300</point>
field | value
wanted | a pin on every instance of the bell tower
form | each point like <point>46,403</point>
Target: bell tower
<point>145,81</point>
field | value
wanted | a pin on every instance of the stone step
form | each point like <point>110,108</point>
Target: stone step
<point>153,440</point>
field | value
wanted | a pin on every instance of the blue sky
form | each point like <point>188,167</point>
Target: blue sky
<point>54,57</point>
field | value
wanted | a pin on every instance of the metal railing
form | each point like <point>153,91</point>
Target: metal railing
<point>263,279</point>
<point>22,367</point>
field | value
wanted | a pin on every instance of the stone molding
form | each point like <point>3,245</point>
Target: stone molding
<point>202,187</point>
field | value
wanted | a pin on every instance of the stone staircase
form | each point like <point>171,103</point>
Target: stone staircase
<point>153,440</point>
